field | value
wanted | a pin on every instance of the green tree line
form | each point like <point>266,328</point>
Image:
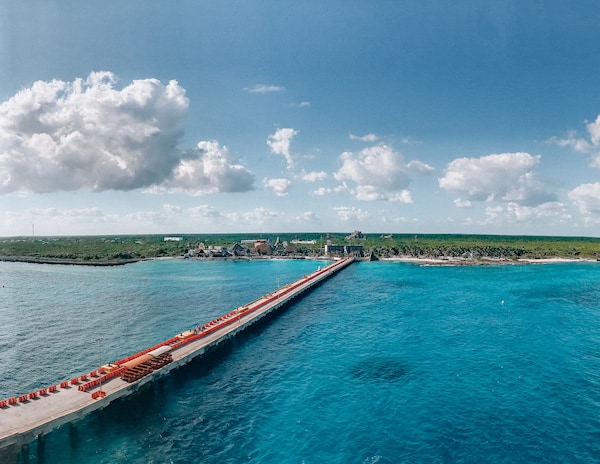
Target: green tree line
<point>96,250</point>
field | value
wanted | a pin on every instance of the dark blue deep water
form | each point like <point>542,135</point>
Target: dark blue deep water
<point>385,363</point>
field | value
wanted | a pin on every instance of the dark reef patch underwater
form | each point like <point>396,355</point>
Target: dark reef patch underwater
<point>378,369</point>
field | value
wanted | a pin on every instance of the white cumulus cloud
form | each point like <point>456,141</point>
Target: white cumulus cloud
<point>419,167</point>
<point>148,217</point>
<point>279,186</point>
<point>403,196</point>
<point>351,213</point>
<point>322,191</point>
<point>92,214</point>
<point>586,198</point>
<point>209,170</point>
<point>172,209</point>
<point>589,146</point>
<point>549,212</point>
<point>257,216</point>
<point>593,129</point>
<point>313,176</point>
<point>506,176</point>
<point>460,203</point>
<point>87,134</point>
<point>204,212</point>
<point>572,141</point>
<point>307,217</point>
<point>279,142</point>
<point>90,135</point>
<point>378,171</point>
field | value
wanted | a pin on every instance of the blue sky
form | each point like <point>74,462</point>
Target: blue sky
<point>274,116</point>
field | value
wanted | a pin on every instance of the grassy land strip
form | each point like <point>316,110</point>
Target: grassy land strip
<point>88,250</point>
<point>114,250</point>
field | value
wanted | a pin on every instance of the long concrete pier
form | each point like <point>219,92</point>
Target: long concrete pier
<point>25,417</point>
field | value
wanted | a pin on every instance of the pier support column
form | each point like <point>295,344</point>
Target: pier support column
<point>41,447</point>
<point>73,434</point>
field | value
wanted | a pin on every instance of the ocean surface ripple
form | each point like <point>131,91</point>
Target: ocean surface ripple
<point>387,362</point>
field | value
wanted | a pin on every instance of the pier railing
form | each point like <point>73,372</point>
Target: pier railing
<point>102,375</point>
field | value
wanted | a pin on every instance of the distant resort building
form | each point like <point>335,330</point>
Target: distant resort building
<point>217,252</point>
<point>344,250</point>
<point>239,250</point>
<point>245,248</point>
<point>173,239</point>
<point>289,249</point>
<point>356,235</point>
<point>263,247</point>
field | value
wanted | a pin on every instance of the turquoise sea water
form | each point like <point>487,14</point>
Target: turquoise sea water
<point>385,363</point>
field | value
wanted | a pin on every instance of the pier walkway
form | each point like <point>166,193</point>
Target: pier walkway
<point>25,417</point>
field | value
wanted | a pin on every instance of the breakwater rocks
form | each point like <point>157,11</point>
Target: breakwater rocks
<point>68,261</point>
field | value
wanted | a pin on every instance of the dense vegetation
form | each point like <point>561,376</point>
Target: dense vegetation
<point>89,250</point>
<point>489,246</point>
<point>112,250</point>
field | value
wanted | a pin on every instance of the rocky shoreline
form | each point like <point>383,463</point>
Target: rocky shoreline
<point>484,261</point>
<point>454,250</point>
<point>425,261</point>
<point>67,261</point>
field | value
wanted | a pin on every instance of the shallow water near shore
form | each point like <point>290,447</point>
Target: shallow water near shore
<point>386,362</point>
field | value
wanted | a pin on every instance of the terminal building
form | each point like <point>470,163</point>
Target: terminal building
<point>344,250</point>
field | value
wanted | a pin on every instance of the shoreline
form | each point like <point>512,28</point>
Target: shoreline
<point>426,261</point>
<point>485,261</point>
<point>67,262</point>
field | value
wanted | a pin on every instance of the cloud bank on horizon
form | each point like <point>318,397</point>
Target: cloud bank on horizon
<point>451,128</point>
<point>89,135</point>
